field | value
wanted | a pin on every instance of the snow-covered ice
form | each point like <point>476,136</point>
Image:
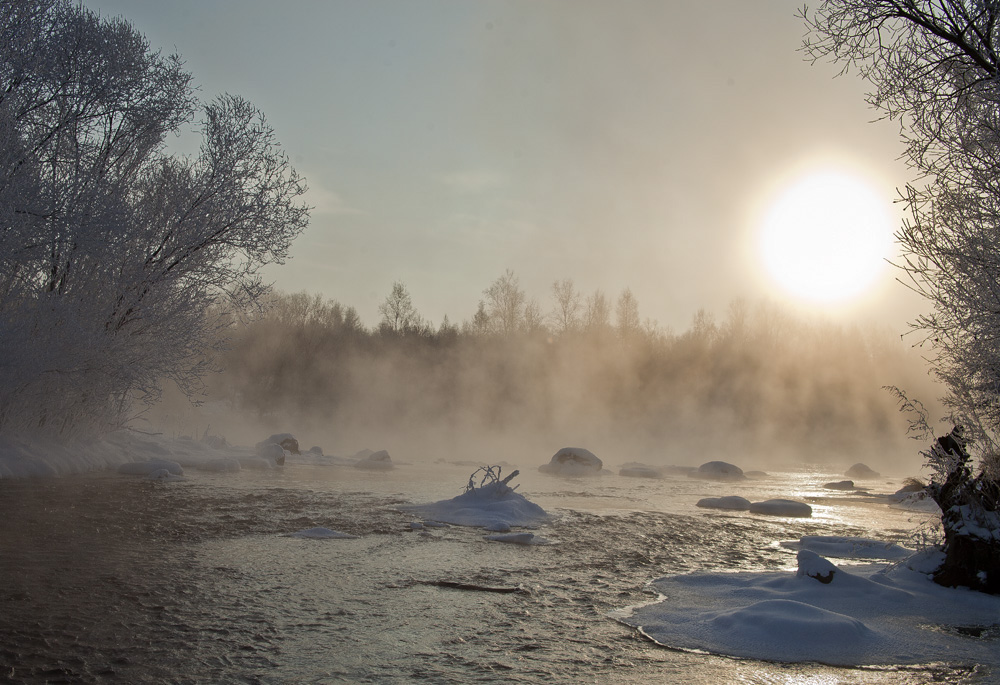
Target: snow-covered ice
<point>871,615</point>
<point>849,547</point>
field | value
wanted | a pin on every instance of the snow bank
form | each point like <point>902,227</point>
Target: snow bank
<point>573,461</point>
<point>849,547</point>
<point>492,505</point>
<point>867,617</point>
<point>732,502</point>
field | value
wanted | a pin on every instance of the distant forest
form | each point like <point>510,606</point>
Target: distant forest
<point>757,380</point>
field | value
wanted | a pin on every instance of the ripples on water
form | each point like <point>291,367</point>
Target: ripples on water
<point>107,578</point>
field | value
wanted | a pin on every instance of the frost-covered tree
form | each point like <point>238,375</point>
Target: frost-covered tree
<point>119,262</point>
<point>566,315</point>
<point>505,304</point>
<point>399,316</point>
<point>627,321</point>
<point>935,66</point>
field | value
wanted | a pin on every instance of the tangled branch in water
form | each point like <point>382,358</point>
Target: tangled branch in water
<point>490,477</point>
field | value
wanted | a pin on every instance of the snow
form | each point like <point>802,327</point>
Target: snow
<point>731,502</point>
<point>781,507</point>
<point>493,506</point>
<point>848,547</point>
<point>320,534</point>
<point>719,470</point>
<point>869,616</point>
<point>573,461</point>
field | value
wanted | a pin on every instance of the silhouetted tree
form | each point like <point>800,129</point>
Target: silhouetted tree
<point>505,304</point>
<point>597,313</point>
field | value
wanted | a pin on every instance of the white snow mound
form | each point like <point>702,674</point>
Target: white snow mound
<point>494,506</point>
<point>870,616</point>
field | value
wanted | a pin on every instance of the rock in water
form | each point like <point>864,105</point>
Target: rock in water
<point>719,470</point>
<point>815,566</point>
<point>573,461</point>
<point>860,470</point>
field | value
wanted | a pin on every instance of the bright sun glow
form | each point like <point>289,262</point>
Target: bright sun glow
<point>826,236</point>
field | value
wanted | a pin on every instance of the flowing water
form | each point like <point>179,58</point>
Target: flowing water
<point>109,578</point>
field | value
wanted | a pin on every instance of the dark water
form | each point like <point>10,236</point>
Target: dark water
<point>108,578</point>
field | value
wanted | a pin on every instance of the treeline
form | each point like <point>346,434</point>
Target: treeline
<point>586,371</point>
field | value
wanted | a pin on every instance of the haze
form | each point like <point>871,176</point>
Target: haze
<point>625,145</point>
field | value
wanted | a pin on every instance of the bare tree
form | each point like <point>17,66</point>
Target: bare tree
<point>566,314</point>
<point>505,303</point>
<point>399,316</point>
<point>627,321</point>
<point>597,313</point>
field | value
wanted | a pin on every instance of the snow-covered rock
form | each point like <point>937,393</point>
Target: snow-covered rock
<point>860,470</point>
<point>286,440</point>
<point>493,505</point>
<point>719,470</point>
<point>781,507</point>
<point>731,502</point>
<point>573,461</point>
<point>376,461</point>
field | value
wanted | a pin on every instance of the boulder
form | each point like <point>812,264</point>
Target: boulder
<point>376,461</point>
<point>860,470</point>
<point>812,565</point>
<point>719,470</point>
<point>573,461</point>
<point>732,502</point>
<point>840,485</point>
<point>782,507</point>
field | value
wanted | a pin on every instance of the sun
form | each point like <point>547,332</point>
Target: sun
<point>826,236</point>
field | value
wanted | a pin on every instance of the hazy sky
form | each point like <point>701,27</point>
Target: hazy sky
<point>632,143</point>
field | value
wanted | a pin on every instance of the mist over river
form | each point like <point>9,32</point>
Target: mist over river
<point>111,578</point>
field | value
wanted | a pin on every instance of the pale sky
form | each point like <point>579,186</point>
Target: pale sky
<point>626,144</point>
